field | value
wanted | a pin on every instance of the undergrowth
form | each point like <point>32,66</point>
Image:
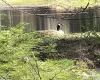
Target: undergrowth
<point>22,58</point>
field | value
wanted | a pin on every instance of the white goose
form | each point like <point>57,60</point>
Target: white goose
<point>58,31</point>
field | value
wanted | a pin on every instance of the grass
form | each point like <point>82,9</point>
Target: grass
<point>65,70</point>
<point>83,3</point>
<point>49,70</point>
<point>64,3</point>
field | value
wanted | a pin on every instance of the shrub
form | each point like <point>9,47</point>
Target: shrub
<point>15,45</point>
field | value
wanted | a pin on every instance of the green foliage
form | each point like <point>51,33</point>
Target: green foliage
<point>14,45</point>
<point>2,16</point>
<point>17,48</point>
<point>90,34</point>
<point>47,47</point>
<point>64,3</point>
<point>18,61</point>
<point>4,21</point>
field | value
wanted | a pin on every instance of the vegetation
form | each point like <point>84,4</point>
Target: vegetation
<point>72,3</point>
<point>34,56</point>
<point>20,58</point>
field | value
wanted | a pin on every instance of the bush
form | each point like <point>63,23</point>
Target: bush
<point>17,50</point>
<point>15,45</point>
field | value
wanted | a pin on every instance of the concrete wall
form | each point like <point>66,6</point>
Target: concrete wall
<point>33,22</point>
<point>77,23</point>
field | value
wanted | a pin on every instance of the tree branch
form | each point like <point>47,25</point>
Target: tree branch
<point>85,7</point>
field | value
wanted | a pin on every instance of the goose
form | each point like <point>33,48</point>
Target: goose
<point>57,31</point>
